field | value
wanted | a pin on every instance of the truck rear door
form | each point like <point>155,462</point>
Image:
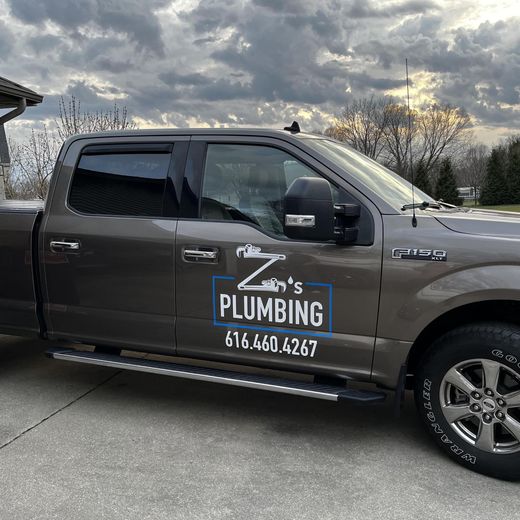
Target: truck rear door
<point>108,242</point>
<point>245,292</point>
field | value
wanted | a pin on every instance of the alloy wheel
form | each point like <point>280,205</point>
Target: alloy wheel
<point>480,399</point>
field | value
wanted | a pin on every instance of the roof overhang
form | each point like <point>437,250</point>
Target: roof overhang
<point>17,97</point>
<point>11,93</point>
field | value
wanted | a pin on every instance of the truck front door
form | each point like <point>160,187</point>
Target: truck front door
<point>248,294</point>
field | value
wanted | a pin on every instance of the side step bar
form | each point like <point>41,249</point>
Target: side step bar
<point>215,375</point>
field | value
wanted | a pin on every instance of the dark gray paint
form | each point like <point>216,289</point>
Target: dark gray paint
<point>414,293</point>
<point>355,297</point>
<point>17,296</point>
<point>354,272</point>
<point>129,282</point>
<point>119,288</point>
<point>483,222</point>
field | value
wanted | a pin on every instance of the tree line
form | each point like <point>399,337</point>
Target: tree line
<point>502,180</point>
<point>388,132</point>
<point>435,144</point>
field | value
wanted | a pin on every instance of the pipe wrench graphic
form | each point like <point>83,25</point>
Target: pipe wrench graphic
<point>270,285</point>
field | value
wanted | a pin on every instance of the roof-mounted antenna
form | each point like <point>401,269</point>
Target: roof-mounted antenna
<point>414,218</point>
<point>294,128</point>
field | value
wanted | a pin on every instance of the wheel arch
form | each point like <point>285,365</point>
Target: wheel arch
<point>488,310</point>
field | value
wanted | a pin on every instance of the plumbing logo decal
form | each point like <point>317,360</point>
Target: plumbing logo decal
<point>277,305</point>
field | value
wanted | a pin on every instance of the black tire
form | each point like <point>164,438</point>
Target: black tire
<point>478,443</point>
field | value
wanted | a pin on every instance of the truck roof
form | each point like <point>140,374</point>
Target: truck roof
<point>263,132</point>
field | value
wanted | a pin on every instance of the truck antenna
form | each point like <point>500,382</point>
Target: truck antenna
<point>414,218</point>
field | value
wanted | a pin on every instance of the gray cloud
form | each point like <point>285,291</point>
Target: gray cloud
<point>476,68</point>
<point>353,9</point>
<point>367,9</point>
<point>279,51</point>
<point>255,62</point>
<point>5,40</point>
<point>127,17</point>
<point>423,25</point>
<point>44,43</point>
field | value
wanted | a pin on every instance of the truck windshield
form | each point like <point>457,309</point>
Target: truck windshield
<point>389,186</point>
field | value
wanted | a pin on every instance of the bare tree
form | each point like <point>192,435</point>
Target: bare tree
<point>33,161</point>
<point>11,182</point>
<point>441,130</point>
<point>72,120</point>
<point>362,125</point>
<point>378,127</point>
<point>32,165</point>
<point>399,138</point>
<point>472,168</point>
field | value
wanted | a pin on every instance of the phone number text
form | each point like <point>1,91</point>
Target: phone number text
<point>267,343</point>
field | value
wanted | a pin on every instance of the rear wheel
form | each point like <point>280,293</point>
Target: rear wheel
<point>467,390</point>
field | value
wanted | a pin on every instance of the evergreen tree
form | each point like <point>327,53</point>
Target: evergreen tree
<point>421,178</point>
<point>513,170</point>
<point>446,188</point>
<point>495,190</point>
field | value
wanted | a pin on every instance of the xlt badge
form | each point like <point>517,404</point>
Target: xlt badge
<point>406,253</point>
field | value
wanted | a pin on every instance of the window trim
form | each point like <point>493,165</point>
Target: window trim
<point>128,148</point>
<point>192,180</point>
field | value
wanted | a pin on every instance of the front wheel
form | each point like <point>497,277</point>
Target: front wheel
<point>467,391</point>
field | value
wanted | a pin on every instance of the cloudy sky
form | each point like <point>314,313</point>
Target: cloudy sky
<point>263,62</point>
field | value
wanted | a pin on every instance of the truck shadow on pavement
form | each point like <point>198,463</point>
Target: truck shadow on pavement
<point>280,414</point>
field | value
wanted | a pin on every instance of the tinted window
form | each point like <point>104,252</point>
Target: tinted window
<point>120,184</point>
<point>248,183</point>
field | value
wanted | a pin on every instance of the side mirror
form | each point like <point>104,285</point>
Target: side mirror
<point>309,210</point>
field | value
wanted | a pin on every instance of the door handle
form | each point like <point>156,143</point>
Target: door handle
<point>202,254</point>
<point>63,246</point>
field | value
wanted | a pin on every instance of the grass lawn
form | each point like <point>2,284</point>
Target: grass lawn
<point>505,207</point>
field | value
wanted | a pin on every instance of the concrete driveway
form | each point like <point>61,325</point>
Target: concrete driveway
<point>80,442</point>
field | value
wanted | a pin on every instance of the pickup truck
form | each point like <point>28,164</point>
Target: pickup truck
<point>275,250</point>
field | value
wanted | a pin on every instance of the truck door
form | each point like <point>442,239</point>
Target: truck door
<point>108,242</point>
<point>245,292</point>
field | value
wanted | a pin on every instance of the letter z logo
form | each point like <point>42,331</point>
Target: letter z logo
<point>270,285</point>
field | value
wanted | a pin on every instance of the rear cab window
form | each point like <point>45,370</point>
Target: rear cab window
<point>121,180</point>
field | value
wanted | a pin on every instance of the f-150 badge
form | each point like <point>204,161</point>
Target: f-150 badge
<point>406,253</point>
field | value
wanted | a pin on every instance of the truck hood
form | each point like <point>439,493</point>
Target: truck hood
<point>483,222</point>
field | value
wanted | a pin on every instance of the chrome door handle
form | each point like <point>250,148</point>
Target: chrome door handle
<point>202,255</point>
<point>62,246</point>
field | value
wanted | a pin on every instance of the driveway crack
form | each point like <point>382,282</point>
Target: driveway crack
<point>45,419</point>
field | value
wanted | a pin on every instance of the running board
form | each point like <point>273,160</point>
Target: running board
<point>215,375</point>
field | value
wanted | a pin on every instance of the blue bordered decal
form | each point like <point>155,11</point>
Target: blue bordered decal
<point>269,304</point>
